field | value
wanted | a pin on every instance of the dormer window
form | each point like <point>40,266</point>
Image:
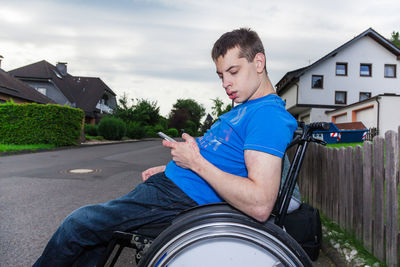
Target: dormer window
<point>104,100</point>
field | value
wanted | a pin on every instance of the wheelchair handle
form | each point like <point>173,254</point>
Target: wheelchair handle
<point>319,126</point>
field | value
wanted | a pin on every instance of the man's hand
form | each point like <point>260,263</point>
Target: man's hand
<point>149,172</point>
<point>184,154</point>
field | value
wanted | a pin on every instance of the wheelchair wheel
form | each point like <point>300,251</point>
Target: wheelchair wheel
<point>218,235</point>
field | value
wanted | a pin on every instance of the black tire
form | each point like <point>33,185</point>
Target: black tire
<point>201,226</point>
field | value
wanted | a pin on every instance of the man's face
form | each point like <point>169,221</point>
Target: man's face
<point>239,77</point>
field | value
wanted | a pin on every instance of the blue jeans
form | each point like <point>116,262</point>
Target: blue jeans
<point>83,236</point>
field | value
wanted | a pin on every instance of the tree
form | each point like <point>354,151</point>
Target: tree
<point>395,39</point>
<point>145,112</point>
<point>184,110</point>
<point>218,107</point>
<point>123,110</point>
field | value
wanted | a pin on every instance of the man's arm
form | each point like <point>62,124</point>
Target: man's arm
<point>254,196</point>
<point>149,172</point>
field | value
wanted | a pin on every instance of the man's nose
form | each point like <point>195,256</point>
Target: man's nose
<point>226,83</point>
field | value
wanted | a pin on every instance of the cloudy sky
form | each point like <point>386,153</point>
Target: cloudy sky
<point>160,49</point>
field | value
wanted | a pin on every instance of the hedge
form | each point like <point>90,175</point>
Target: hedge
<point>32,123</point>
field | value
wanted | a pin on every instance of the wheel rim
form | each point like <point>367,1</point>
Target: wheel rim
<point>237,238</point>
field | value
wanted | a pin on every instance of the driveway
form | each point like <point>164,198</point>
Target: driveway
<point>37,191</point>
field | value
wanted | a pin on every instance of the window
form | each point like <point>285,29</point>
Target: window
<point>390,71</point>
<point>364,95</point>
<point>341,69</point>
<point>317,81</point>
<point>340,97</point>
<point>41,90</point>
<point>366,70</point>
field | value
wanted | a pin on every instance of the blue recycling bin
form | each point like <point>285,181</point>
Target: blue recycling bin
<point>334,135</point>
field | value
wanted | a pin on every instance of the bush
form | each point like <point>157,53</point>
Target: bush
<point>33,123</point>
<point>91,129</point>
<point>150,131</point>
<point>173,132</point>
<point>112,128</point>
<point>191,128</point>
<point>135,131</point>
<point>159,128</point>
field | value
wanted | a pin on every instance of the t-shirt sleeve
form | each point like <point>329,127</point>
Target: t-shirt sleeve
<point>270,130</point>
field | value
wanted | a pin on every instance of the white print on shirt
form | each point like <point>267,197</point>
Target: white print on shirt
<point>241,113</point>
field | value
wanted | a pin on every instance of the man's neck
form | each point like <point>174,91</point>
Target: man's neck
<point>266,87</point>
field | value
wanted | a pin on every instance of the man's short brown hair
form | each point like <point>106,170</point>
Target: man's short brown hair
<point>247,40</point>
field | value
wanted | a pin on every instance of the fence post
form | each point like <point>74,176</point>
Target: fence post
<point>358,195</point>
<point>324,180</point>
<point>331,183</point>
<point>392,216</point>
<point>335,185</point>
<point>367,196</point>
<point>316,169</point>
<point>379,199</point>
<point>342,208</point>
<point>350,188</point>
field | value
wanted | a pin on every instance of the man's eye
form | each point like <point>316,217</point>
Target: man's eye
<point>233,72</point>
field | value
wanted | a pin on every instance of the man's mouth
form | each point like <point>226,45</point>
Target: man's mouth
<point>232,95</point>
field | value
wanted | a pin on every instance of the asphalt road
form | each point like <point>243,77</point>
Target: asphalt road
<point>37,191</point>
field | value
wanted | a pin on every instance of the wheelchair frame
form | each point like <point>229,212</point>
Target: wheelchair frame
<point>142,238</point>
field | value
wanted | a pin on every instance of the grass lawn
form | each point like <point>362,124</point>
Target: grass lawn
<point>9,148</point>
<point>345,145</point>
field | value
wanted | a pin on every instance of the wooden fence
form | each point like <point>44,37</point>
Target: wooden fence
<point>359,190</point>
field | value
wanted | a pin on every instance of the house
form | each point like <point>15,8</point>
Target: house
<point>364,67</point>
<point>380,112</point>
<point>90,94</point>
<point>17,91</point>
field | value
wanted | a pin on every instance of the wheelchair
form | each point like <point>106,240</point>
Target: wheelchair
<point>218,234</point>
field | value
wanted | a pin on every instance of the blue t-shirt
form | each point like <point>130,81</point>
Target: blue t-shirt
<point>261,124</point>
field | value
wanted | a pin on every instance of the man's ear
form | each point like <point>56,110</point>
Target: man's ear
<point>260,62</point>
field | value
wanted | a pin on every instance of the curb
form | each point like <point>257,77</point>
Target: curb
<point>30,151</point>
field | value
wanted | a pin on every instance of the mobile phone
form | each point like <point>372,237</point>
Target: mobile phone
<point>166,137</point>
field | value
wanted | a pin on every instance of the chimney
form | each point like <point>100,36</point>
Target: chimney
<point>62,68</point>
<point>1,58</point>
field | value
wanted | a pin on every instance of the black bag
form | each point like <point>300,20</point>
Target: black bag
<point>304,225</point>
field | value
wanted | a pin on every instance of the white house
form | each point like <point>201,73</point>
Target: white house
<point>380,112</point>
<point>364,67</point>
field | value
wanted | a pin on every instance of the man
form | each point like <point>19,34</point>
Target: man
<point>238,161</point>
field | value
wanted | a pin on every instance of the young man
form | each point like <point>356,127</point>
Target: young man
<point>238,161</point>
